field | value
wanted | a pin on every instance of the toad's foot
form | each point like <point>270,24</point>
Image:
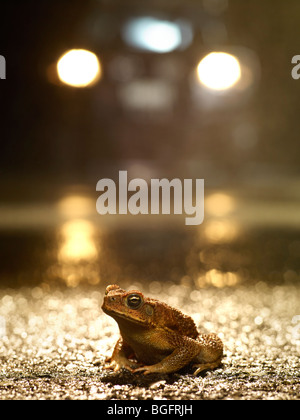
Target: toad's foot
<point>206,366</point>
<point>145,369</point>
<point>114,366</point>
<point>120,363</point>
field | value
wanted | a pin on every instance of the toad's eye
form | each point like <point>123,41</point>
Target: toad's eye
<point>134,301</point>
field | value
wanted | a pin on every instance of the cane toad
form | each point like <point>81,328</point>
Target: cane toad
<point>160,338</point>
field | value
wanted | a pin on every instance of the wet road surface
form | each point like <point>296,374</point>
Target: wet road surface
<point>54,344</point>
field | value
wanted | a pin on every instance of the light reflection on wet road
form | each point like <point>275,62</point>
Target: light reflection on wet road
<point>241,239</point>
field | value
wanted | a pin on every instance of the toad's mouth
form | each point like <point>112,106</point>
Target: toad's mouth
<point>120,315</point>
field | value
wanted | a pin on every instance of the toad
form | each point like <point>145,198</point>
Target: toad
<point>155,337</point>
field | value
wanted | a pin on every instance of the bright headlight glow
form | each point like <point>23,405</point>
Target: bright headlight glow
<point>78,68</point>
<point>219,71</point>
<point>152,34</point>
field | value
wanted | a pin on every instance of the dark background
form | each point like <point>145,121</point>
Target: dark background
<point>56,133</point>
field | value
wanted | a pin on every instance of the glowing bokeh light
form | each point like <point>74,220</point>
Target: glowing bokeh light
<point>78,68</point>
<point>219,71</point>
<point>76,206</point>
<point>219,279</point>
<point>221,231</point>
<point>220,204</point>
<point>152,34</point>
<point>78,241</point>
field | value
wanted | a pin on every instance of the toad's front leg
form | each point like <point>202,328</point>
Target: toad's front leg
<point>120,357</point>
<point>211,352</point>
<point>185,351</point>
